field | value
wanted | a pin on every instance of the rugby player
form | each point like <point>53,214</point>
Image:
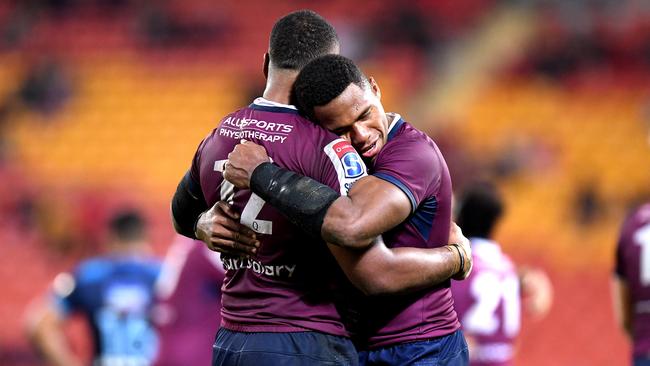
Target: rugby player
<point>632,282</point>
<point>407,198</point>
<point>113,292</point>
<point>280,305</point>
<point>487,303</point>
<point>188,291</point>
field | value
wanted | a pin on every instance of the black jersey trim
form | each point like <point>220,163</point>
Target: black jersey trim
<point>393,130</point>
<point>265,108</point>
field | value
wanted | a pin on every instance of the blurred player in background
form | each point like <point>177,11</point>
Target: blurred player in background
<point>188,306</point>
<point>632,283</point>
<point>114,292</point>
<point>489,301</point>
<point>280,305</point>
<point>407,198</point>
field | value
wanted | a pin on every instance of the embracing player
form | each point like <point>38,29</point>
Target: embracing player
<point>407,198</point>
<point>632,282</point>
<point>280,304</point>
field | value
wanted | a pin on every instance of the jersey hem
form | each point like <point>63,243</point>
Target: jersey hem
<point>277,328</point>
<point>401,339</point>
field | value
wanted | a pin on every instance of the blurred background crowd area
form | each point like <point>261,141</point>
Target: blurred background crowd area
<point>103,102</point>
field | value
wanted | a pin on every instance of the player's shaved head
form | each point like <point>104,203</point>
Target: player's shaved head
<point>481,207</point>
<point>324,79</point>
<point>299,37</point>
<point>127,226</point>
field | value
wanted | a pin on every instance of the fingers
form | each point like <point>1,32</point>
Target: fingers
<point>232,242</point>
<point>227,228</point>
<point>227,209</point>
<point>231,247</point>
<point>222,232</point>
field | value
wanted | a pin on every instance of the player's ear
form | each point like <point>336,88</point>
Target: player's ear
<point>374,87</point>
<point>265,68</point>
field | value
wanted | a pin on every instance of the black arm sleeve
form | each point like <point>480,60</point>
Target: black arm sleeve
<point>302,200</point>
<point>187,204</point>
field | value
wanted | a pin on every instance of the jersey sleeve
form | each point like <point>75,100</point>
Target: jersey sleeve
<point>624,239</point>
<point>340,166</point>
<point>195,172</point>
<point>619,265</point>
<point>413,166</point>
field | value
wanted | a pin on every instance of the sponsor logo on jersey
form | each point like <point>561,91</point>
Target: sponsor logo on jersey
<point>237,263</point>
<point>341,148</point>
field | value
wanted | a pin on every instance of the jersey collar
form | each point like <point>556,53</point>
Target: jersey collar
<point>394,125</point>
<point>266,105</point>
<point>485,246</point>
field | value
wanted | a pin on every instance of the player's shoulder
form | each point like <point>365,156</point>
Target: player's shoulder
<point>642,213</point>
<point>311,131</point>
<point>285,119</point>
<point>93,270</point>
<point>403,136</point>
<point>488,255</point>
<point>636,218</point>
<point>147,264</point>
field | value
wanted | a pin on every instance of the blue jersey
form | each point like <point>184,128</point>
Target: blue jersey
<point>115,294</point>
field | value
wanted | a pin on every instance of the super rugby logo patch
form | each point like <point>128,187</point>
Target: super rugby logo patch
<point>348,163</point>
<point>352,164</point>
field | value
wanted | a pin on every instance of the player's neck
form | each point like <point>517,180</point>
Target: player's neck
<point>137,247</point>
<point>279,84</point>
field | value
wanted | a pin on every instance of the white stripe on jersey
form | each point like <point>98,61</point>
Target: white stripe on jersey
<point>267,103</point>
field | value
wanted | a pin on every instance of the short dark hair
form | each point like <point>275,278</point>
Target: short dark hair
<point>127,225</point>
<point>481,207</point>
<point>298,38</point>
<point>322,80</point>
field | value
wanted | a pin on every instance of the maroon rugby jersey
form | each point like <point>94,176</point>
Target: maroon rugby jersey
<point>413,162</point>
<point>292,283</point>
<point>488,305</point>
<point>633,266</point>
<point>187,314</point>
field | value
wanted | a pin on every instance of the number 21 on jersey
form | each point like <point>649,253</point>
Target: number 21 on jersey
<point>489,290</point>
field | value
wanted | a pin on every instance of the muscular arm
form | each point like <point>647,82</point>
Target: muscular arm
<point>187,204</point>
<point>378,270</point>
<point>622,304</point>
<point>45,329</point>
<point>373,206</point>
<point>375,270</point>
<point>353,222</point>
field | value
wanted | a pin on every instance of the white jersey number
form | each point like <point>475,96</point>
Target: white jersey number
<point>489,290</point>
<point>642,238</point>
<point>252,207</point>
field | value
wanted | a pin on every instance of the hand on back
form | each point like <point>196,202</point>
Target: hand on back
<point>220,230</point>
<point>242,161</point>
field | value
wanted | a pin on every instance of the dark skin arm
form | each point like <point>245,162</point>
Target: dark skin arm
<point>45,329</point>
<point>375,270</point>
<point>623,309</point>
<point>378,270</point>
<point>352,221</point>
<point>355,220</point>
<point>220,230</point>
